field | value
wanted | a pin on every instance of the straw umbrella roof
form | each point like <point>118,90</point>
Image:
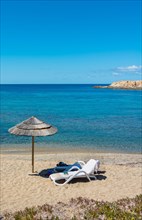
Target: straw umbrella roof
<point>33,127</point>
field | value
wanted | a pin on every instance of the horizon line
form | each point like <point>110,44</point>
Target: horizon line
<point>54,83</point>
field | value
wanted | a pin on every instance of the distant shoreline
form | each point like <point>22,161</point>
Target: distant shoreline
<point>126,85</point>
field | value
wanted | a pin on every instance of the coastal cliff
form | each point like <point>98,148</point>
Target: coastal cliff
<point>123,85</point>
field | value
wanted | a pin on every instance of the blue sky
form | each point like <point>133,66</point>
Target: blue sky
<point>70,41</point>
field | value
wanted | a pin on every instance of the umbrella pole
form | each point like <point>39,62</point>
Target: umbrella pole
<point>32,154</point>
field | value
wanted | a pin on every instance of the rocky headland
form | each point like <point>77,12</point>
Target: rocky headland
<point>123,85</point>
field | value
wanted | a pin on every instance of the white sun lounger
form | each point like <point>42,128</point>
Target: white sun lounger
<point>87,171</point>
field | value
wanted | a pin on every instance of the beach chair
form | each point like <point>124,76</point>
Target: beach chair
<point>87,171</point>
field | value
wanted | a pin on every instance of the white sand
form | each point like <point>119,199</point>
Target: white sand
<point>19,189</point>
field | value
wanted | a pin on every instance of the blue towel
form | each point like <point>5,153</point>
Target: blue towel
<point>61,167</point>
<point>47,172</point>
<point>66,168</point>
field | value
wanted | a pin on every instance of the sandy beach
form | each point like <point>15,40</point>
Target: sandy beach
<point>120,177</point>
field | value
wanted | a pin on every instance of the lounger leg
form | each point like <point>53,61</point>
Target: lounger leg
<point>72,177</point>
<point>62,184</point>
<point>68,180</point>
<point>88,178</point>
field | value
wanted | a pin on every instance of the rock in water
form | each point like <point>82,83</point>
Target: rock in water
<point>124,85</point>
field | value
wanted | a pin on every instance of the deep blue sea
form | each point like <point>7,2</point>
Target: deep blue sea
<point>87,118</point>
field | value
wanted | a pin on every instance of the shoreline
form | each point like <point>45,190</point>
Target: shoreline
<point>57,148</point>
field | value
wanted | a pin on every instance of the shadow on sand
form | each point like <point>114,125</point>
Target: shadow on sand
<point>46,173</point>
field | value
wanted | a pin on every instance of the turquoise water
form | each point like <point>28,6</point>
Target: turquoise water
<point>100,119</point>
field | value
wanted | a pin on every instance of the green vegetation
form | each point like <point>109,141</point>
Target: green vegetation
<point>82,208</point>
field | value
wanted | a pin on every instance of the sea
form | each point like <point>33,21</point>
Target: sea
<point>87,118</point>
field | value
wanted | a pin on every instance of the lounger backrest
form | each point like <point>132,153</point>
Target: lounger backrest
<point>97,165</point>
<point>89,167</point>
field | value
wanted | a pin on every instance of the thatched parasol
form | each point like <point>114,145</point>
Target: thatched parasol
<point>33,127</point>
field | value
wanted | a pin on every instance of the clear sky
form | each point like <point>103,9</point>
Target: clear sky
<point>70,41</point>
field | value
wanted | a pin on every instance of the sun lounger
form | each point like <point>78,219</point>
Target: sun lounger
<point>87,171</point>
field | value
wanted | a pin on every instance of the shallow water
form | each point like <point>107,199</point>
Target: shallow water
<point>88,118</point>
